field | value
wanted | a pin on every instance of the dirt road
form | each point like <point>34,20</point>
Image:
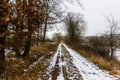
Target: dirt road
<point>67,64</point>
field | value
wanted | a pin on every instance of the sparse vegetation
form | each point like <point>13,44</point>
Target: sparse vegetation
<point>16,67</point>
<point>111,65</point>
<point>75,27</point>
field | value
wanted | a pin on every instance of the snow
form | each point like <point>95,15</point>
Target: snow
<point>117,54</point>
<point>60,76</point>
<point>87,69</point>
<point>7,51</point>
<point>52,65</point>
<point>33,65</point>
<point>71,72</point>
<point>53,61</point>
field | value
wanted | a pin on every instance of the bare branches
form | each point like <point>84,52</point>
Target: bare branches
<point>112,23</point>
<point>79,2</point>
<point>75,26</point>
<point>112,30</point>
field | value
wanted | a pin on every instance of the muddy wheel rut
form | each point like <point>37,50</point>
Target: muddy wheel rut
<point>56,70</point>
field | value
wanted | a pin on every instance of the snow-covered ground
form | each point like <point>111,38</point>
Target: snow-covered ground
<point>70,71</point>
<point>60,76</point>
<point>53,62</point>
<point>87,69</point>
<point>32,65</point>
<point>117,54</point>
<point>72,66</point>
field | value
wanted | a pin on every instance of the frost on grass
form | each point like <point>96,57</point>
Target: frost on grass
<point>87,69</point>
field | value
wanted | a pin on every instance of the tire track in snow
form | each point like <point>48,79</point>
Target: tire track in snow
<point>87,69</point>
<point>69,69</point>
<point>60,63</point>
<point>55,68</point>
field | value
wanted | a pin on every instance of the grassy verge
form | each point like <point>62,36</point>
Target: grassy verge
<point>15,67</point>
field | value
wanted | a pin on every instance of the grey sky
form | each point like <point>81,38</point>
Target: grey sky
<point>94,13</point>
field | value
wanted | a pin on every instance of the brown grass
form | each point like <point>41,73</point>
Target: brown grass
<point>15,66</point>
<point>111,65</point>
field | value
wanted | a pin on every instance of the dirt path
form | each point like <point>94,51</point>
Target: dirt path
<point>67,64</point>
<point>61,66</point>
<point>55,68</point>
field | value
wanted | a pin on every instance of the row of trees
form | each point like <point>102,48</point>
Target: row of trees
<point>104,44</point>
<point>107,43</point>
<point>23,20</point>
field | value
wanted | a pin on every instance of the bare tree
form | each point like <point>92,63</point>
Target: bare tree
<point>112,31</point>
<point>53,14</point>
<point>75,26</point>
<point>99,45</point>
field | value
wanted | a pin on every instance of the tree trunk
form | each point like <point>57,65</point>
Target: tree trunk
<point>111,44</point>
<point>46,19</point>
<point>17,51</point>
<point>44,35</point>
<point>28,41</point>
<point>2,48</point>
<point>27,46</point>
<point>38,37</point>
<point>2,58</point>
<point>3,28</point>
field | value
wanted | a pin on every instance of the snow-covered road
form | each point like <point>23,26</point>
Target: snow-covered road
<point>55,68</point>
<point>69,65</point>
<point>87,69</point>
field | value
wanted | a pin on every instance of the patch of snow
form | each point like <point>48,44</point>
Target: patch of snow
<point>52,63</point>
<point>117,54</point>
<point>87,69</point>
<point>32,65</point>
<point>60,76</point>
<point>71,72</point>
<point>7,51</point>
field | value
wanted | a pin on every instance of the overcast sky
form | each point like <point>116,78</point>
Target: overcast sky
<point>94,12</point>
